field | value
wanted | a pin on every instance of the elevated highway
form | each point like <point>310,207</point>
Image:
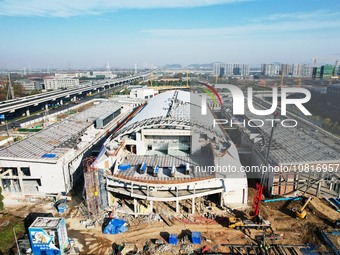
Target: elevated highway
<point>23,103</point>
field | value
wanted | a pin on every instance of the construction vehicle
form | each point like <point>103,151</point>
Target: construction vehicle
<point>237,223</point>
<point>301,213</point>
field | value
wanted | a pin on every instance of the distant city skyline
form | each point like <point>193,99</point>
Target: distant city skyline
<point>87,34</point>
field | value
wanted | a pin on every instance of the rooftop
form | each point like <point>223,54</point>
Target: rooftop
<point>294,145</point>
<point>54,141</point>
<point>46,222</point>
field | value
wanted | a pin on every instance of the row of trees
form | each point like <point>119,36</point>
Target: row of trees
<point>19,91</point>
<point>331,126</point>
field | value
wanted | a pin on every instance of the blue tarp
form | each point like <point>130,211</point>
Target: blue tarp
<point>173,239</point>
<point>156,170</point>
<point>61,208</point>
<point>143,167</point>
<point>124,167</point>
<point>49,155</point>
<point>115,226</point>
<point>196,237</point>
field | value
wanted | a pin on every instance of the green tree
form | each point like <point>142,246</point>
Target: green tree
<point>1,200</point>
<point>327,123</point>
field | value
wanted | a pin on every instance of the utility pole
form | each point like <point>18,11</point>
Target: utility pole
<point>269,145</point>
<point>10,91</point>
<point>282,74</point>
<point>187,79</point>
<point>16,241</point>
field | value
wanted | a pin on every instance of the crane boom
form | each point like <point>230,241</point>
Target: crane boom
<point>307,202</point>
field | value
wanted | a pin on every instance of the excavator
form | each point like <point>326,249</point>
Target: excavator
<point>301,213</point>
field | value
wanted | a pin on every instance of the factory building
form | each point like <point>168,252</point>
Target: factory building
<point>169,152</point>
<point>50,161</point>
<point>142,93</point>
<point>60,83</point>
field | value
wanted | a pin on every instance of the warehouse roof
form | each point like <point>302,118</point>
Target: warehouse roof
<point>54,141</point>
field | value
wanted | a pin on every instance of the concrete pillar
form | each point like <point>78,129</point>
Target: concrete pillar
<point>135,206</point>
<point>318,188</point>
<point>61,102</point>
<point>46,106</point>
<point>28,112</point>
<point>177,206</point>
<point>151,206</point>
<point>2,186</point>
<point>75,98</point>
<point>193,206</point>
<point>21,183</point>
<point>221,198</point>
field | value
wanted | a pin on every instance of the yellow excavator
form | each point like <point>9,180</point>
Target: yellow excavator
<point>302,212</point>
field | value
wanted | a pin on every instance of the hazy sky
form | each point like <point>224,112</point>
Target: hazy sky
<point>84,33</point>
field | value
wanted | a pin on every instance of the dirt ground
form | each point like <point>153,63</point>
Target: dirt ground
<point>92,241</point>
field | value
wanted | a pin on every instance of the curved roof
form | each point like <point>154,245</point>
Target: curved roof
<point>176,105</point>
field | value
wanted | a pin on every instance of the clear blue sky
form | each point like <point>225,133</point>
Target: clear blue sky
<point>87,33</point>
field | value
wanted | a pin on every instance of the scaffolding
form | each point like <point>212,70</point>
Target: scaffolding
<point>91,186</point>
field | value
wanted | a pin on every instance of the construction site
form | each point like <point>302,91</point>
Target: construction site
<point>152,189</point>
<point>155,189</point>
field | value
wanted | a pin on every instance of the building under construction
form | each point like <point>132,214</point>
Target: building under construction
<point>168,153</point>
<point>305,159</point>
<point>50,161</point>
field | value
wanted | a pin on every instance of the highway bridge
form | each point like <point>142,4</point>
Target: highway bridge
<point>23,104</point>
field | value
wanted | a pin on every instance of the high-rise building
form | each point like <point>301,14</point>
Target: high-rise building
<point>270,69</point>
<point>231,70</point>
<point>219,69</point>
<point>323,72</point>
<point>293,70</point>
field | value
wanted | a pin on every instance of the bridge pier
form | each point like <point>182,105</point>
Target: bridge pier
<point>61,102</point>
<point>28,112</point>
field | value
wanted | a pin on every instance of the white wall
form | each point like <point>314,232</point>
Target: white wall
<point>51,175</point>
